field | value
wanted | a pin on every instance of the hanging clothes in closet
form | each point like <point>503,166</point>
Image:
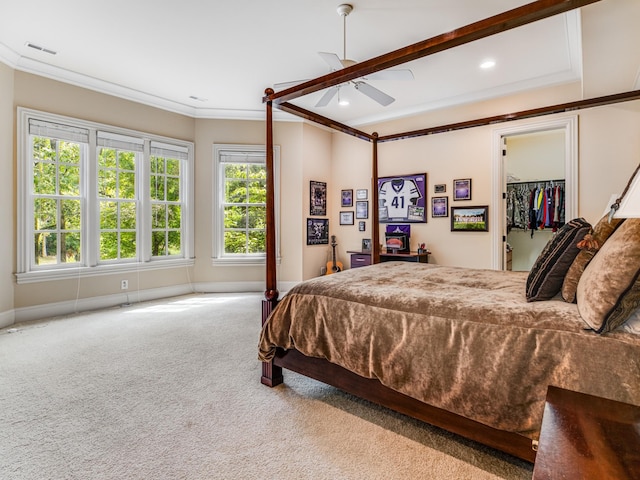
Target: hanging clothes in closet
<point>536,205</point>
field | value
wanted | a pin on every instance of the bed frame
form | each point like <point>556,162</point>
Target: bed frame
<point>331,374</point>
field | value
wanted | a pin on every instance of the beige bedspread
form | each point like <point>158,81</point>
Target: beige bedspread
<point>459,339</point>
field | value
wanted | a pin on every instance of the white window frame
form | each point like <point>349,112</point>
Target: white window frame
<point>90,264</point>
<point>218,254</point>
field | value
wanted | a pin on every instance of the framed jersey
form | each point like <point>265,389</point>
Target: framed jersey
<point>402,198</point>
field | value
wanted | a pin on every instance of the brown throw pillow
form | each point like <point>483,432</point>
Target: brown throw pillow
<point>598,236</point>
<point>547,274</point>
<point>609,289</point>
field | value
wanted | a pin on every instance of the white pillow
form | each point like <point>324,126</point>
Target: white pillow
<point>632,325</point>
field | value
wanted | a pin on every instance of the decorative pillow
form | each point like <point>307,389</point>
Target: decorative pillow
<point>546,277</point>
<point>589,246</point>
<point>609,289</point>
<point>632,324</point>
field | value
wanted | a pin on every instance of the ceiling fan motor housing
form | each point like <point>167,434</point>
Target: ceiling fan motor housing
<point>344,9</point>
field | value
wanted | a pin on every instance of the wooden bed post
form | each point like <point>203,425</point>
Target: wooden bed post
<point>271,374</point>
<point>375,236</point>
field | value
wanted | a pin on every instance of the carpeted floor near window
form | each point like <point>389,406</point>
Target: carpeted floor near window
<point>171,390</point>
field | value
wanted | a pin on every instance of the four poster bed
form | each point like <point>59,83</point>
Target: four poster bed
<point>461,349</point>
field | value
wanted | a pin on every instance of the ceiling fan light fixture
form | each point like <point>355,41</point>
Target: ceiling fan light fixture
<point>488,64</point>
<point>343,100</point>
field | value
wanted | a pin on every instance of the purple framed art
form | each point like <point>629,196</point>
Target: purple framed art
<point>402,198</point>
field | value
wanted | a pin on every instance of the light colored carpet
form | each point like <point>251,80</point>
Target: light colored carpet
<point>171,390</point>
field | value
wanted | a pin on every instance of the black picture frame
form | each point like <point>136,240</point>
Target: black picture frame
<point>362,226</point>
<point>439,207</point>
<point>346,218</point>
<point>346,198</point>
<point>317,198</point>
<point>440,188</point>
<point>470,219</point>
<point>362,209</point>
<point>366,245</point>
<point>317,231</point>
<point>462,189</point>
<point>402,198</point>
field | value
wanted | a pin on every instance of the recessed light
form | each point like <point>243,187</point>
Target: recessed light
<point>41,49</point>
<point>487,64</point>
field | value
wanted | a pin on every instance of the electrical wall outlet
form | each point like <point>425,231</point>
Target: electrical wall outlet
<point>124,284</point>
<point>323,270</point>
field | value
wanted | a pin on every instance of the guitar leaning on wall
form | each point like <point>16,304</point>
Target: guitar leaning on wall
<point>333,266</point>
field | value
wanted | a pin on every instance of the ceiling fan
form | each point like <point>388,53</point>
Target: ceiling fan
<point>336,63</point>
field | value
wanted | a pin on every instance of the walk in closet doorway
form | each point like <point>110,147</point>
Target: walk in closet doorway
<point>536,173</point>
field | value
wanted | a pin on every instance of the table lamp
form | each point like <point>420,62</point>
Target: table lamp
<point>627,205</point>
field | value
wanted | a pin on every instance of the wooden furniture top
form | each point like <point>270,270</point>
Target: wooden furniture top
<point>587,438</point>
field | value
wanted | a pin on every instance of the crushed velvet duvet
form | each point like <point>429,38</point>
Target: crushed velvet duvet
<point>463,340</point>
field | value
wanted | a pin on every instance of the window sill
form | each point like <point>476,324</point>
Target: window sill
<point>82,272</point>
<point>241,261</point>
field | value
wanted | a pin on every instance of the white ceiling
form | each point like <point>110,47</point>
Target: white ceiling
<point>161,52</point>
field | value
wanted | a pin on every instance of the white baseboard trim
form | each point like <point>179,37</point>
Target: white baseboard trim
<point>69,307</point>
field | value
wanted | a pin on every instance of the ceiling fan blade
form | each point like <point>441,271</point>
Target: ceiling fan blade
<point>373,93</point>
<point>283,85</point>
<point>328,95</point>
<point>397,74</point>
<point>332,60</point>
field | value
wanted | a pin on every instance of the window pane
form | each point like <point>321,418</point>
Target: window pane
<point>44,149</point>
<point>69,180</point>
<point>127,245</point>
<point>173,189</point>
<point>126,160</point>
<point>175,247</point>
<point>235,191</point>
<point>154,191</point>
<point>70,247</point>
<point>107,158</point>
<point>235,242</point>
<point>127,215</point>
<point>158,244</point>
<point>235,170</point>
<point>69,152</point>
<point>46,248</point>
<point>158,214</point>
<point>175,214</point>
<point>45,214</point>
<point>173,167</point>
<point>257,192</point>
<point>127,185</point>
<point>107,183</point>
<point>257,217</point>
<point>258,172</point>
<point>235,217</point>
<point>108,245</point>
<point>44,178</point>
<point>257,241</point>
<point>108,215</point>
<point>70,214</point>
<point>157,165</point>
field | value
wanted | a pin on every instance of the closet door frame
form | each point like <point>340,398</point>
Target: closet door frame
<point>498,214</point>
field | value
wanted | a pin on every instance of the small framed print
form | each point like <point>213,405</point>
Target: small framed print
<point>347,198</point>
<point>362,226</point>
<point>470,219</point>
<point>346,218</point>
<point>362,209</point>
<point>462,189</point>
<point>439,207</point>
<point>318,198</point>
<point>366,244</point>
<point>317,231</point>
<point>440,188</point>
<point>362,194</point>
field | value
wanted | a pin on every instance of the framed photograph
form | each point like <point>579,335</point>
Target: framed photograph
<point>362,226</point>
<point>362,209</point>
<point>470,219</point>
<point>317,231</point>
<point>402,198</point>
<point>318,198</point>
<point>346,218</point>
<point>362,194</point>
<point>462,189</point>
<point>347,198</point>
<point>366,244</point>
<point>439,207</point>
<point>440,188</point>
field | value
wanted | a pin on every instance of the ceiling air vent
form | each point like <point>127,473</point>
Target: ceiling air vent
<point>42,49</point>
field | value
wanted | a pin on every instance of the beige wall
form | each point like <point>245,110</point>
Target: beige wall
<point>7,199</point>
<point>609,151</point>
